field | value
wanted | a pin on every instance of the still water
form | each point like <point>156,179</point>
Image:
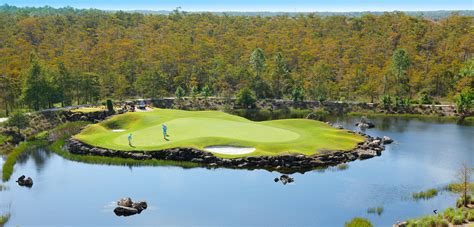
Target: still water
<point>425,155</point>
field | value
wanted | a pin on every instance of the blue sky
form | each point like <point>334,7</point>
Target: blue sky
<point>256,5</point>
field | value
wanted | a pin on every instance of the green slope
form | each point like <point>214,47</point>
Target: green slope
<point>199,129</point>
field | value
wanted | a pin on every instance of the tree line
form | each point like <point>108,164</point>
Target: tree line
<point>83,56</point>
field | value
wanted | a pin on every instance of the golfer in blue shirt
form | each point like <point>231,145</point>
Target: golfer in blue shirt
<point>130,140</point>
<point>164,131</point>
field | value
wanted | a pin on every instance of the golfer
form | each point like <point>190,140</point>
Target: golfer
<point>164,131</point>
<point>130,140</point>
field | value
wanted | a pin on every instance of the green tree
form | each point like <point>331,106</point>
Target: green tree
<point>400,64</point>
<point>18,120</point>
<point>257,60</point>
<point>280,73</point>
<point>297,95</point>
<point>151,84</point>
<point>35,88</point>
<point>465,100</point>
<point>64,85</point>
<point>259,85</point>
<point>9,92</point>
<point>386,101</point>
<point>180,93</point>
<point>206,91</point>
<point>246,98</point>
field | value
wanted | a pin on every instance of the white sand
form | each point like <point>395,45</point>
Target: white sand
<point>230,149</point>
<point>3,119</point>
<point>118,130</point>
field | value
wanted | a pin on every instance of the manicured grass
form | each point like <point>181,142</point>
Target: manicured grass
<point>199,129</point>
<point>88,109</point>
<point>7,168</point>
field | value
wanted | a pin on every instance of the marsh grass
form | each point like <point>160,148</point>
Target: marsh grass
<point>3,187</point>
<point>4,219</point>
<point>7,169</point>
<point>428,194</point>
<point>457,187</point>
<point>375,210</point>
<point>358,222</point>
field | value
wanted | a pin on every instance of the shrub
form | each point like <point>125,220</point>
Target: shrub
<point>465,100</point>
<point>19,120</point>
<point>358,222</point>
<point>470,215</point>
<point>110,106</point>
<point>206,91</point>
<point>458,219</point>
<point>386,101</point>
<point>297,94</point>
<point>449,214</point>
<point>180,93</point>
<point>428,221</point>
<point>246,98</point>
<point>460,201</point>
<point>426,99</point>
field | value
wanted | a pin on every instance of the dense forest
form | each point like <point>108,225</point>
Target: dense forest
<point>70,56</point>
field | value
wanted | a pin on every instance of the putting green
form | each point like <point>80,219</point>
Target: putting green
<point>200,129</point>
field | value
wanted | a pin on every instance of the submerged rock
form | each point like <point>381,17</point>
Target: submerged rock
<point>126,207</point>
<point>387,140</point>
<point>23,181</point>
<point>125,211</point>
<point>365,123</point>
<point>285,179</point>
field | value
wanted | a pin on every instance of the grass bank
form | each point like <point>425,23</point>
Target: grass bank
<point>7,168</point>
<point>452,216</point>
<point>199,129</point>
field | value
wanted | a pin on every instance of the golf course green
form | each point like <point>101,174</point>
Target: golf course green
<point>201,129</point>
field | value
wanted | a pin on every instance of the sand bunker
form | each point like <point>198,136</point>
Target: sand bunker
<point>230,149</point>
<point>118,130</point>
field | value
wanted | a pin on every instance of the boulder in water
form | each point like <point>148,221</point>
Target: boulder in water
<point>126,207</point>
<point>25,181</point>
<point>387,140</point>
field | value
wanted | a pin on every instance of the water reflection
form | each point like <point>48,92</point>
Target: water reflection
<point>425,155</point>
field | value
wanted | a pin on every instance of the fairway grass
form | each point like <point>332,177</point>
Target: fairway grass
<point>200,129</point>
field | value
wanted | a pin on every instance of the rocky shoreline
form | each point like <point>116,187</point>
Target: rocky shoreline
<point>287,163</point>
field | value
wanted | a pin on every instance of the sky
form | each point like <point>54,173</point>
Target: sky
<point>256,5</point>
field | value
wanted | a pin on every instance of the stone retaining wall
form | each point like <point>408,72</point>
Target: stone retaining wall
<point>287,163</point>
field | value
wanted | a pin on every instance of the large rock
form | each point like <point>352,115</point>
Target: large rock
<point>126,202</point>
<point>126,207</point>
<point>366,154</point>
<point>141,205</point>
<point>125,211</point>
<point>24,181</point>
<point>285,179</point>
<point>387,140</point>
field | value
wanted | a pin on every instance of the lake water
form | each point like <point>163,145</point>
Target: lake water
<point>425,155</point>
